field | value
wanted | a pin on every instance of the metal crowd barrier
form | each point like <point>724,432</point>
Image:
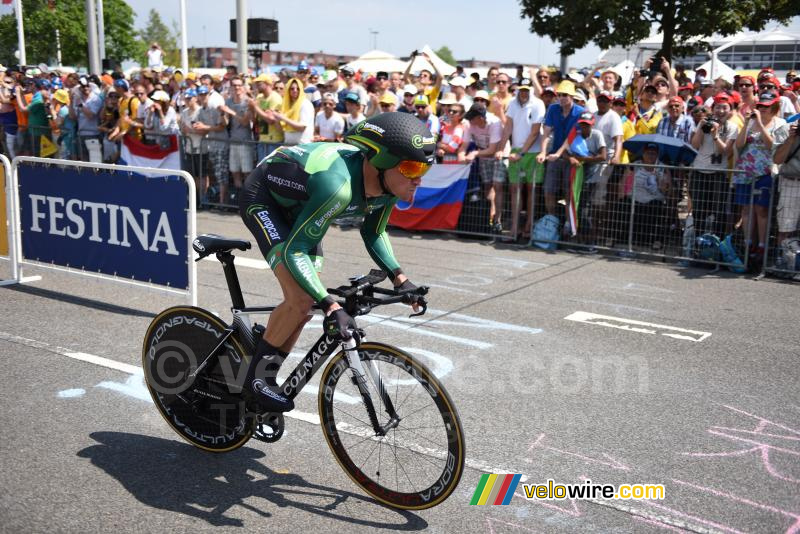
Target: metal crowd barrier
<point>783,238</point>
<point>666,212</point>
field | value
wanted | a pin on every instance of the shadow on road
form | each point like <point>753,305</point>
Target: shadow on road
<point>174,476</point>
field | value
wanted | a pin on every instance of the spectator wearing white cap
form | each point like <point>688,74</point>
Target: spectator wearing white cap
<point>407,103</point>
<point>328,125</point>
<point>458,87</point>
<point>523,126</point>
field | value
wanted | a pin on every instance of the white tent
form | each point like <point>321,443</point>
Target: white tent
<point>377,60</point>
<point>624,70</point>
<point>721,70</point>
<point>420,63</point>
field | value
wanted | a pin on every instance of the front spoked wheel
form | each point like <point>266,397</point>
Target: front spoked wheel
<point>419,461</point>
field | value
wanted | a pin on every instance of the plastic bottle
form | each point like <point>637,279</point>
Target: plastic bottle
<point>688,237</point>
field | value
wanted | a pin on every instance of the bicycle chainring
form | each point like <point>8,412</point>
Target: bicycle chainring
<point>270,429</point>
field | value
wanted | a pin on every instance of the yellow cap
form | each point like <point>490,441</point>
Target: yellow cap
<point>566,87</point>
<point>388,98</point>
<point>62,95</point>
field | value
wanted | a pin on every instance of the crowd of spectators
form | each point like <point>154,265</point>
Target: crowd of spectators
<point>519,130</point>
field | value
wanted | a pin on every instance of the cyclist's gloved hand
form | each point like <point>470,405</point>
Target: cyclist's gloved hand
<point>339,324</point>
<point>411,298</point>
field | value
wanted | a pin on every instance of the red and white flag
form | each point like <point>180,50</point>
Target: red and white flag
<point>138,154</point>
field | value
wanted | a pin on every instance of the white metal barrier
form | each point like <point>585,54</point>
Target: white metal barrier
<point>147,174</point>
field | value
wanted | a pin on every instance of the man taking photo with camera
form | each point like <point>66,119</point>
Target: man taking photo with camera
<point>713,139</point>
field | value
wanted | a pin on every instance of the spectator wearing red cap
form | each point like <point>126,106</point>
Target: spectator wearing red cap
<point>686,92</point>
<point>754,144</point>
<point>713,139</point>
<point>771,84</point>
<point>676,123</point>
<point>593,165</point>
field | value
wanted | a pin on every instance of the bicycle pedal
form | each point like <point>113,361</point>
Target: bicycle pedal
<point>270,428</point>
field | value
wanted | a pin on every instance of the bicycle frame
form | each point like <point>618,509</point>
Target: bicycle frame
<point>316,357</point>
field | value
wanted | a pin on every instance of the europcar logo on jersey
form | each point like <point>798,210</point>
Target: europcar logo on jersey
<point>416,141</point>
<point>495,489</point>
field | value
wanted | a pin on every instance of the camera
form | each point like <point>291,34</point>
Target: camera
<point>415,53</point>
<point>655,65</point>
<point>707,124</point>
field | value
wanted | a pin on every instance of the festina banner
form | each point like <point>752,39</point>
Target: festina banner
<point>102,221</point>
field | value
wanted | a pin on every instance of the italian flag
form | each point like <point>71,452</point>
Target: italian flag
<point>577,147</point>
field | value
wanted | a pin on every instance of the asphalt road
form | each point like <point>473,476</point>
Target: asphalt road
<point>699,394</point>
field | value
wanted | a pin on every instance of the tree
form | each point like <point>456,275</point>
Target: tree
<point>446,54</point>
<point>69,16</point>
<point>609,23</point>
<point>157,32</point>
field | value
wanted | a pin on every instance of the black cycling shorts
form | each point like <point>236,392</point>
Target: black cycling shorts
<point>269,222</point>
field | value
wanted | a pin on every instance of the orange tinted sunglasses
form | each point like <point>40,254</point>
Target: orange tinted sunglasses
<point>412,169</point>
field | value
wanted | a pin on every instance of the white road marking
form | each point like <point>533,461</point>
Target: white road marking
<point>71,393</point>
<point>638,326</point>
<point>252,263</point>
<point>134,387</point>
<point>456,289</point>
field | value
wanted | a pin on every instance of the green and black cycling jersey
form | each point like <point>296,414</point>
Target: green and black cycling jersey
<point>294,194</point>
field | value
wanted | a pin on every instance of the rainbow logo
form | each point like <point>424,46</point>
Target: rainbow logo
<point>495,489</point>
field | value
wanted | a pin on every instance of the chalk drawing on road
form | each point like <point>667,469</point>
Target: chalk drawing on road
<point>71,393</point>
<point>607,460</point>
<point>133,387</point>
<point>638,326</point>
<point>767,440</point>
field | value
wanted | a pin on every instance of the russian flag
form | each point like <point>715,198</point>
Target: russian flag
<point>437,202</point>
<point>138,154</point>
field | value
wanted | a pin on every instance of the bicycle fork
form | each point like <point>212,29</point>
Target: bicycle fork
<point>359,379</point>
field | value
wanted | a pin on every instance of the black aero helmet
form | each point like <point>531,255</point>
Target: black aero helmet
<point>390,138</point>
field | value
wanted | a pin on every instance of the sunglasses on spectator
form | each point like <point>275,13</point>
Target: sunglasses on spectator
<point>385,105</point>
<point>420,107</point>
<point>329,104</point>
<point>766,86</point>
<point>454,111</point>
<point>745,85</point>
<point>113,95</point>
<point>665,84</point>
<point>381,77</point>
<point>346,75</point>
<point>412,169</point>
<point>502,81</point>
<point>675,106</point>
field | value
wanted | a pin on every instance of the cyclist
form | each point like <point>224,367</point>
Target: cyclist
<point>292,197</point>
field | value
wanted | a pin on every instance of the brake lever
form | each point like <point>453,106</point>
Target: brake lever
<point>424,304</point>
